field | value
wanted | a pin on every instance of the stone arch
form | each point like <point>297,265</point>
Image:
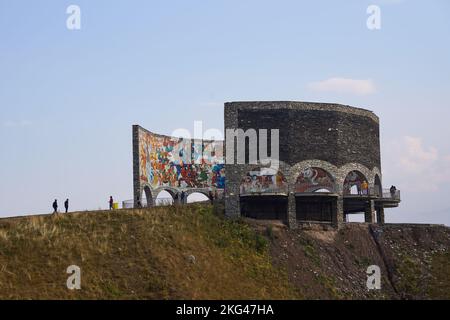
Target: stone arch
<point>314,179</point>
<point>147,191</point>
<point>349,167</point>
<point>188,192</point>
<point>355,178</point>
<point>376,173</point>
<point>297,169</point>
<point>377,186</point>
<point>172,191</point>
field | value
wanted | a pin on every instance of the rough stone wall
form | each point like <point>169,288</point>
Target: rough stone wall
<point>334,137</point>
<point>338,136</point>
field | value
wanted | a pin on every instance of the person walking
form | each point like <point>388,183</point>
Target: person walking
<point>66,205</point>
<point>55,206</point>
<point>111,203</point>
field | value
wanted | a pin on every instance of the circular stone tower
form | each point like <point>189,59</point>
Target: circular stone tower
<point>324,162</point>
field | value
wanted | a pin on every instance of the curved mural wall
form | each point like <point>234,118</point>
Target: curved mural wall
<point>179,163</point>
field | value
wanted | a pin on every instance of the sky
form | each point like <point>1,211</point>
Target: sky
<point>68,98</point>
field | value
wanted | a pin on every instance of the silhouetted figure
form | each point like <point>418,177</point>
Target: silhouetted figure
<point>111,203</point>
<point>393,190</point>
<point>175,199</point>
<point>55,206</point>
<point>211,197</point>
<point>216,195</point>
<point>139,204</point>
<point>66,205</point>
<point>183,195</point>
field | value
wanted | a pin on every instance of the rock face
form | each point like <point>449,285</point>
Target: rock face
<point>414,261</point>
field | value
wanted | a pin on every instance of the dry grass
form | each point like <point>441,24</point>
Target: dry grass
<point>138,254</point>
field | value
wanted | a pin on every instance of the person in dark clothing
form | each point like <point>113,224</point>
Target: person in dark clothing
<point>139,204</point>
<point>183,195</point>
<point>55,206</point>
<point>66,205</point>
<point>111,203</point>
<point>211,197</point>
<point>175,199</point>
<point>393,190</point>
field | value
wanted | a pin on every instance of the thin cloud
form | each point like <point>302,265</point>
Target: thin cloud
<point>417,167</point>
<point>344,85</point>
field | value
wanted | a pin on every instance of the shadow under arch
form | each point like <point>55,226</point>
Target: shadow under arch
<point>315,195</point>
<point>377,187</point>
<point>263,194</point>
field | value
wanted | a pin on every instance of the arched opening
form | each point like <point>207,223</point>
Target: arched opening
<point>164,198</point>
<point>315,195</point>
<point>263,195</point>
<point>356,193</point>
<point>378,189</point>
<point>197,197</point>
<point>146,199</point>
<point>356,183</point>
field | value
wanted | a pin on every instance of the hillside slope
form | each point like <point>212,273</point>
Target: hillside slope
<point>191,252</point>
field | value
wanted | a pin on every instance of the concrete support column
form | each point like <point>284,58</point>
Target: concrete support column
<point>380,215</point>
<point>369,213</point>
<point>292,211</point>
<point>338,214</point>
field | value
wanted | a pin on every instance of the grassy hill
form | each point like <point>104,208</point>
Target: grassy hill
<point>193,252</point>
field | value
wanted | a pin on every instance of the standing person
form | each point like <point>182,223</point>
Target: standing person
<point>183,195</point>
<point>175,199</point>
<point>111,203</point>
<point>211,197</point>
<point>365,187</point>
<point>216,195</point>
<point>66,205</point>
<point>139,204</point>
<point>393,189</point>
<point>55,206</point>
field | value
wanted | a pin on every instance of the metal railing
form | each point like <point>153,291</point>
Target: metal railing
<point>166,201</point>
<point>394,195</point>
<point>384,194</point>
<point>269,190</point>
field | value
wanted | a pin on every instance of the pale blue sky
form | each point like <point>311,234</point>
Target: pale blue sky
<point>68,98</point>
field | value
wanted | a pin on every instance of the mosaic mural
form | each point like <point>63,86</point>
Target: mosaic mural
<point>173,162</point>
<point>355,183</point>
<point>314,179</point>
<point>263,181</point>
